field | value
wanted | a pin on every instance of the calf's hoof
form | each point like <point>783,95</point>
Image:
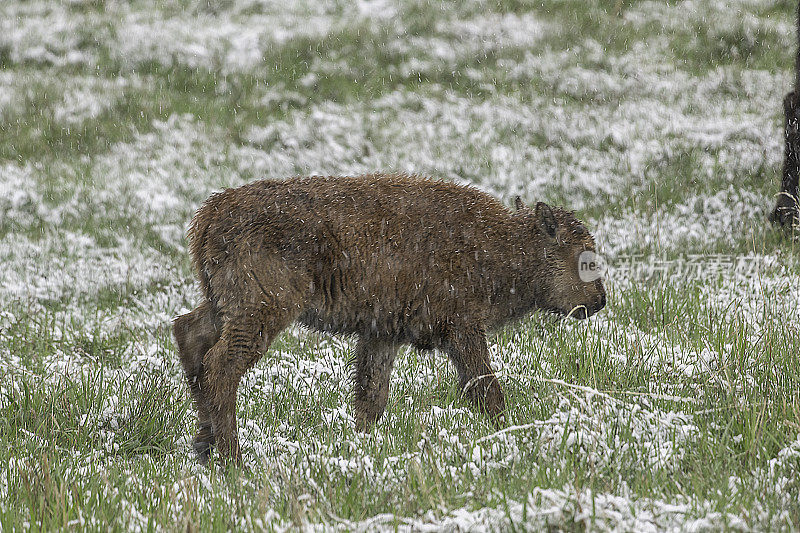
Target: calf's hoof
<point>367,413</point>
<point>365,424</point>
<point>495,406</point>
<point>203,442</point>
<point>202,451</point>
<point>228,451</point>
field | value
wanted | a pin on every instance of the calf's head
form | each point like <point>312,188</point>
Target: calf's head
<point>568,269</point>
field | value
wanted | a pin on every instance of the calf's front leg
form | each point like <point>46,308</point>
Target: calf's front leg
<point>372,367</point>
<point>469,352</point>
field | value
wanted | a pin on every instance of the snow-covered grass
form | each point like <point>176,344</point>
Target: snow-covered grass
<point>676,408</point>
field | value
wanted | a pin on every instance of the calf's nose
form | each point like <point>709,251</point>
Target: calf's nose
<point>601,299</point>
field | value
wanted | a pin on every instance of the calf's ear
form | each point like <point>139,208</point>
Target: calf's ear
<point>519,205</point>
<point>546,219</point>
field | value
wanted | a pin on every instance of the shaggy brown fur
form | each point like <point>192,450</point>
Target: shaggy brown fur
<point>786,212</point>
<point>390,259</point>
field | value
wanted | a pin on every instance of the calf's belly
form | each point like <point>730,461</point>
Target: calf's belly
<point>377,322</point>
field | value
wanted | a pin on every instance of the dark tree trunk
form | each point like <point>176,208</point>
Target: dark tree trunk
<point>786,208</point>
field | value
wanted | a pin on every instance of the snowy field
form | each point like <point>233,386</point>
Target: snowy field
<point>677,408</point>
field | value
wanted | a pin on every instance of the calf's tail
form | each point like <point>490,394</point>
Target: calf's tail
<point>197,235</point>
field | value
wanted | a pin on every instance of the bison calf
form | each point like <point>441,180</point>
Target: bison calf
<point>390,259</point>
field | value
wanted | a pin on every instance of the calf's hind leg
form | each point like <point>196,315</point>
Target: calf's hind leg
<point>195,334</point>
<point>372,367</point>
<point>244,338</point>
